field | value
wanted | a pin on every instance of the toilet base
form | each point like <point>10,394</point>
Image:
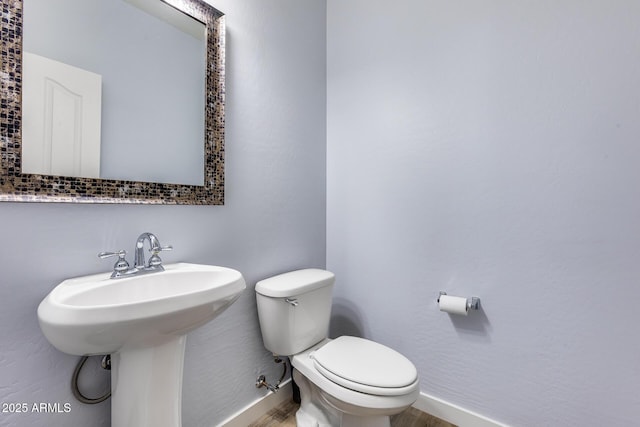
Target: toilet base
<point>317,409</point>
<point>312,412</point>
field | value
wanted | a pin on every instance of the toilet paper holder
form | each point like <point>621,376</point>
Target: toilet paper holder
<point>473,303</point>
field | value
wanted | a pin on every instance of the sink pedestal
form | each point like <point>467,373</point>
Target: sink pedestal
<point>146,385</point>
<point>142,321</point>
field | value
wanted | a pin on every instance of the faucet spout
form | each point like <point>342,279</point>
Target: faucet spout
<point>154,246</point>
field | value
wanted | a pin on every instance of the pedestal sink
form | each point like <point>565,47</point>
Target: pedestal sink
<point>142,321</point>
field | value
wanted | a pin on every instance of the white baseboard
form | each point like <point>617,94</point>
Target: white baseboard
<point>425,403</point>
<point>255,410</point>
<point>453,413</point>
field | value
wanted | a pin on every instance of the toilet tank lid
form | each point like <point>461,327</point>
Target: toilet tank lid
<point>295,283</point>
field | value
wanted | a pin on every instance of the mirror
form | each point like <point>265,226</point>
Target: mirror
<point>84,114</point>
<point>21,181</point>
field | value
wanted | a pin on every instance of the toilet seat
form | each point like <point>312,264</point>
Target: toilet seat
<point>365,366</point>
<point>346,399</point>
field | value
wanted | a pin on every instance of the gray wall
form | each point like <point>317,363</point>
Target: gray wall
<point>273,221</point>
<point>491,148</point>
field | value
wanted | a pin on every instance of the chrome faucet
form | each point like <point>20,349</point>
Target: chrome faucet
<point>122,269</point>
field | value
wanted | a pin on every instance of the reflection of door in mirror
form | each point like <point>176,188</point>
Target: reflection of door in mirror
<point>61,106</point>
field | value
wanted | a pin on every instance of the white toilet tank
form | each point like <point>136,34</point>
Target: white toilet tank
<point>294,310</point>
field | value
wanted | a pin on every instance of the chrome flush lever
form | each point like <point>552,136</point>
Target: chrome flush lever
<point>292,301</point>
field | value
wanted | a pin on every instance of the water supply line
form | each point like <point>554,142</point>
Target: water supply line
<point>106,364</point>
<point>261,381</point>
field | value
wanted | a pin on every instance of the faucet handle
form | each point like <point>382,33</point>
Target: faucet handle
<point>121,264</point>
<point>157,249</point>
<point>154,259</point>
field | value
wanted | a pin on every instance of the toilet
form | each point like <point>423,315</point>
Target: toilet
<point>346,381</point>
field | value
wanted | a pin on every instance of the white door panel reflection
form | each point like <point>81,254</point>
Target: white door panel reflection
<point>61,118</point>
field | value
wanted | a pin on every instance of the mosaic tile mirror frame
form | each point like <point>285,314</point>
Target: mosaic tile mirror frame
<point>18,187</point>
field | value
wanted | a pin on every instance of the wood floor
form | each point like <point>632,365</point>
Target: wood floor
<point>285,416</point>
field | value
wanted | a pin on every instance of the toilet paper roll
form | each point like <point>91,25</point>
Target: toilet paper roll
<point>453,305</point>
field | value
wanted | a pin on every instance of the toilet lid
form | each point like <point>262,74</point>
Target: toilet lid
<point>365,366</point>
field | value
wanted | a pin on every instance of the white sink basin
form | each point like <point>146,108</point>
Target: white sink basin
<point>98,315</point>
<point>142,321</point>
